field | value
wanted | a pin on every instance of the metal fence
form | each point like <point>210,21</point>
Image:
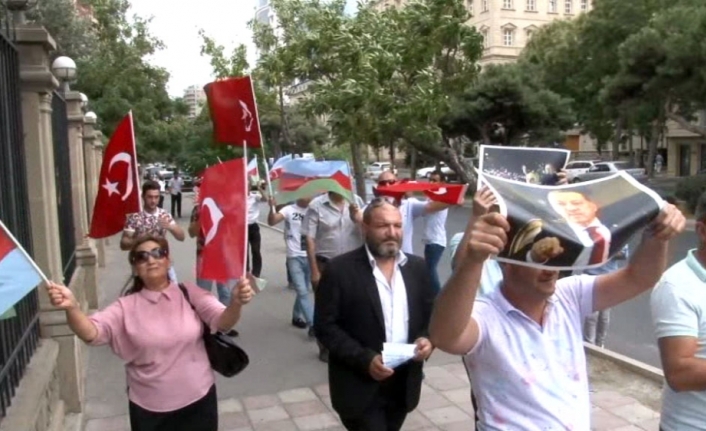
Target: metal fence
<point>19,335</point>
<point>62,161</point>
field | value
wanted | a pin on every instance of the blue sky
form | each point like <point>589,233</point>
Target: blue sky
<point>177,24</point>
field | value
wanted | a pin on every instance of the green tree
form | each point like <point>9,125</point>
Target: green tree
<point>74,34</point>
<point>509,105</point>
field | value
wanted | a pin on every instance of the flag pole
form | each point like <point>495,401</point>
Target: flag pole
<point>247,193</point>
<point>24,253</point>
<point>134,151</point>
<point>267,171</point>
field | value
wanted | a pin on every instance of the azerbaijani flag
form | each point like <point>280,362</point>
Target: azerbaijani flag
<point>253,171</point>
<point>18,273</point>
<point>305,178</point>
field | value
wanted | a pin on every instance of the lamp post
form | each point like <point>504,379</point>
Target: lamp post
<point>91,115</point>
<point>84,101</point>
<point>64,69</point>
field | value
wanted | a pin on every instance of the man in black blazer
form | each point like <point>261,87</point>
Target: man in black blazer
<point>373,295</point>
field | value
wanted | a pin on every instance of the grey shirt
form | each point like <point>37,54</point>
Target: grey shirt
<point>331,228</point>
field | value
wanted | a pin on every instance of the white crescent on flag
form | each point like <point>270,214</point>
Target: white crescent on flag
<point>111,187</point>
<point>216,217</point>
<point>247,115</point>
<point>441,191</point>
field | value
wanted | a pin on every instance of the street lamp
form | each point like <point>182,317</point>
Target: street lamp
<point>64,69</point>
<point>84,101</point>
<point>18,8</point>
<point>91,115</point>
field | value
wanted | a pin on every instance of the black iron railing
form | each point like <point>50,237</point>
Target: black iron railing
<point>62,161</point>
<point>19,335</point>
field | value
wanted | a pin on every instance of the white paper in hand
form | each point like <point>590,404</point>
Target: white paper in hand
<point>396,354</point>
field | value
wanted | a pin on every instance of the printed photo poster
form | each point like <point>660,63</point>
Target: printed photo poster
<point>530,165</point>
<point>573,226</point>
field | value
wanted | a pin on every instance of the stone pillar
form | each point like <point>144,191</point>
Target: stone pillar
<point>89,139</point>
<point>75,118</point>
<point>98,160</point>
<point>37,83</point>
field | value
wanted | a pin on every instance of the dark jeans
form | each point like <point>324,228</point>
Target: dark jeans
<point>176,205</point>
<point>387,411</point>
<point>255,240</point>
<point>432,255</point>
<point>161,201</point>
<point>201,415</point>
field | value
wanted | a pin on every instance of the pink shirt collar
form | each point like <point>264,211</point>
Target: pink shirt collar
<point>154,296</point>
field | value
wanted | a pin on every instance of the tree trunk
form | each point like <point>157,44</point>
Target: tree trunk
<point>413,162</point>
<point>617,137</point>
<point>686,124</point>
<point>454,159</point>
<point>392,153</point>
<point>657,130</point>
<point>285,123</point>
<point>358,173</point>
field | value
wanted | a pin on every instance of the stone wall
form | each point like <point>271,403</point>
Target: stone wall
<point>37,405</point>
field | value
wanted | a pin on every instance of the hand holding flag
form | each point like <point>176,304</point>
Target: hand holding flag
<point>61,296</point>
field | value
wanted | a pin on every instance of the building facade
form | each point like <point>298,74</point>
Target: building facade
<point>194,97</point>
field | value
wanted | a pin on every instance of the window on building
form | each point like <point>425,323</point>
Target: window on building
<point>529,33</point>
<point>484,34</point>
<point>509,37</point>
<point>584,5</point>
<point>469,6</point>
<point>532,5</point>
<point>507,4</point>
<point>568,6</point>
<point>552,6</point>
<point>485,5</point>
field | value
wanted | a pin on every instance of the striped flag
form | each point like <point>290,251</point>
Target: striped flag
<point>305,178</point>
<point>18,272</point>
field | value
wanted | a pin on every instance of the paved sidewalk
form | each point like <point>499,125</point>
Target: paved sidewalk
<point>284,388</point>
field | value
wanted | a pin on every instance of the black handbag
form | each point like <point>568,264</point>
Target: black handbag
<point>226,358</point>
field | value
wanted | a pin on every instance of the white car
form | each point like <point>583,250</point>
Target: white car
<point>376,168</point>
<point>579,167</point>
<point>426,172</point>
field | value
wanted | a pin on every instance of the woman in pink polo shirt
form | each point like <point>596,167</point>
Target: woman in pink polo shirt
<point>171,386</point>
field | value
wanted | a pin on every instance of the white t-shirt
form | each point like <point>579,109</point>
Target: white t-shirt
<point>293,216</point>
<point>253,207</point>
<point>435,228</point>
<point>410,208</point>
<point>679,310</point>
<point>176,184</point>
<point>532,377</point>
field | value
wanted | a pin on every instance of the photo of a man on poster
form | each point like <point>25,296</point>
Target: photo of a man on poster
<point>574,226</point>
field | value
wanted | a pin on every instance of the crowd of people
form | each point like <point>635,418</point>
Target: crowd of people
<point>518,329</point>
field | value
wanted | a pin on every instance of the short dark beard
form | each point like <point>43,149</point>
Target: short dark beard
<point>378,250</point>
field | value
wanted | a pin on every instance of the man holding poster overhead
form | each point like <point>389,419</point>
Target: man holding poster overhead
<point>523,344</point>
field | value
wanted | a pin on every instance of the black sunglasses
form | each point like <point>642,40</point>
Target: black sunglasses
<point>144,256</point>
<point>386,182</point>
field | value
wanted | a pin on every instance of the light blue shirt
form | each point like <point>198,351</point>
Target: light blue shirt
<point>679,310</point>
<point>492,276</point>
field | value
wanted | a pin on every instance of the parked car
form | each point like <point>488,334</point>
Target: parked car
<point>579,167</point>
<point>605,169</point>
<point>426,172</point>
<point>376,168</point>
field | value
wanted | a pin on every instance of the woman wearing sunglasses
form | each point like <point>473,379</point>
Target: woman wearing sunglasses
<point>171,386</point>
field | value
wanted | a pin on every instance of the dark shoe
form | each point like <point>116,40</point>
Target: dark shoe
<point>323,355</point>
<point>312,335</point>
<point>232,333</point>
<point>299,323</point>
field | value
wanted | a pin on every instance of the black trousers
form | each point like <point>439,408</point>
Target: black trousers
<point>201,415</point>
<point>161,201</point>
<point>254,240</point>
<point>176,205</point>
<point>387,412</point>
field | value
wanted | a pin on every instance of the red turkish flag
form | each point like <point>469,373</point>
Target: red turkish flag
<point>118,184</point>
<point>223,197</point>
<point>231,102</point>
<point>453,194</point>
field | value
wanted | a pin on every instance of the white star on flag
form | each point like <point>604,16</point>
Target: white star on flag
<point>111,187</point>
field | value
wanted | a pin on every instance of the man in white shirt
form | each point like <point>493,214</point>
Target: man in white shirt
<point>679,316</point>
<point>175,186</point>
<point>434,237</point>
<point>524,343</point>
<point>256,195</point>
<point>297,262</point>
